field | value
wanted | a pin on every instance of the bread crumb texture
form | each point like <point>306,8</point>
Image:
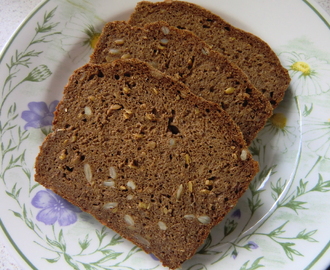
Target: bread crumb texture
<point>147,158</point>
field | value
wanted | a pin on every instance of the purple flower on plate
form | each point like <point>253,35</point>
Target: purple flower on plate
<point>236,214</point>
<point>234,254</point>
<point>251,245</point>
<point>39,114</point>
<point>154,257</point>
<point>54,208</point>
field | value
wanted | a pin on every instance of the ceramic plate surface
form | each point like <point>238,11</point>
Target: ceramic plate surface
<point>281,222</point>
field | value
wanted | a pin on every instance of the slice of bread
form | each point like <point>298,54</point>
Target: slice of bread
<point>147,158</point>
<point>183,55</point>
<point>250,53</point>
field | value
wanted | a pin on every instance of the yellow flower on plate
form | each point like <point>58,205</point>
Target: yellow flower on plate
<point>80,36</point>
<point>302,67</point>
<point>278,133</point>
<point>310,75</point>
<point>278,120</point>
<point>92,36</point>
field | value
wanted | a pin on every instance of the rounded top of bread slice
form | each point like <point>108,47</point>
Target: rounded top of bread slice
<point>249,52</point>
<point>137,150</point>
<point>186,57</point>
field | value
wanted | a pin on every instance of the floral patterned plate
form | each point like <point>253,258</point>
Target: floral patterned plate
<point>281,222</point>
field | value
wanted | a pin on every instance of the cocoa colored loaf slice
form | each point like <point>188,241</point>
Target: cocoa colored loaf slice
<point>249,52</point>
<point>183,55</point>
<point>146,157</point>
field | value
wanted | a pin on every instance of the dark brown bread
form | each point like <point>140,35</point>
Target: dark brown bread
<point>249,52</point>
<point>147,158</point>
<point>183,55</point>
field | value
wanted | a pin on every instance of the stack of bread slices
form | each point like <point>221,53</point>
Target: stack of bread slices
<point>151,137</point>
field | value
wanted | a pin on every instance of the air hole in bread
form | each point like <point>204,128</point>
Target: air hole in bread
<point>127,74</point>
<point>100,74</point>
<point>166,195</point>
<point>91,77</point>
<point>273,102</point>
<point>69,168</point>
<point>155,112</point>
<point>170,127</point>
<point>248,90</point>
<point>245,103</point>
<point>167,64</point>
<point>173,129</point>
<point>117,77</point>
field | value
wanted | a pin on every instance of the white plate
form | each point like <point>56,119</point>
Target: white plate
<point>282,220</point>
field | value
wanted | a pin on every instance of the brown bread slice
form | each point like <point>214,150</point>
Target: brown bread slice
<point>249,52</point>
<point>147,158</point>
<point>183,55</point>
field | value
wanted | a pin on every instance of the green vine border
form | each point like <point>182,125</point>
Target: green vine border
<point>2,55</point>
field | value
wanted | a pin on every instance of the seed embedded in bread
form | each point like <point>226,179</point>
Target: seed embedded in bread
<point>162,225</point>
<point>88,172</point>
<point>109,183</point>
<point>129,220</point>
<point>110,205</point>
<point>113,172</point>
<point>131,184</point>
<point>204,219</point>
<point>119,41</point>
<point>189,216</point>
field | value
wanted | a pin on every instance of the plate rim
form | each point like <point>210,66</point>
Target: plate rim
<point>311,3</point>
